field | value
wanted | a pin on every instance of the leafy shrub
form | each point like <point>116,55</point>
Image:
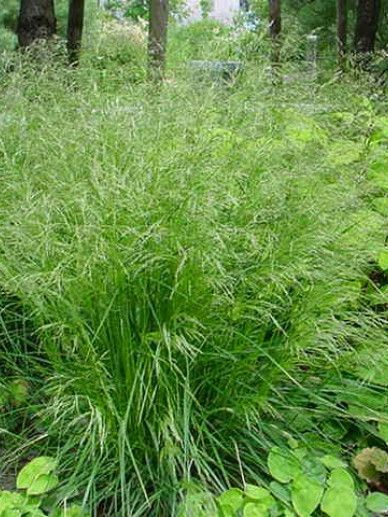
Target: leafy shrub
<point>7,39</point>
<point>119,52</point>
<point>8,14</point>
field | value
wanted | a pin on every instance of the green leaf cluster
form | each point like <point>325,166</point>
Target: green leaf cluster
<point>35,480</point>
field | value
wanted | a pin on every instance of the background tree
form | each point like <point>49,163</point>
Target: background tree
<point>36,21</point>
<point>75,23</point>
<point>342,22</point>
<point>157,37</point>
<point>275,28</point>
<point>366,25</point>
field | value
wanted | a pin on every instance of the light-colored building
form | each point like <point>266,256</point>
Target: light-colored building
<point>221,10</point>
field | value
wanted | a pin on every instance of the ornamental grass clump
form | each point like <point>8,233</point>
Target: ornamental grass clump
<point>193,263</point>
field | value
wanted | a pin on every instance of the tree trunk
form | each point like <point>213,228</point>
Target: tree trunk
<point>244,5</point>
<point>275,29</point>
<point>342,23</point>
<point>36,21</point>
<point>366,25</point>
<point>75,23</point>
<point>157,37</point>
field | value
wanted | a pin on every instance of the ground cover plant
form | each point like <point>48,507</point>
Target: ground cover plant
<point>190,276</point>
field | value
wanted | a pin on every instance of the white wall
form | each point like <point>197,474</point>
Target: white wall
<point>223,10</point>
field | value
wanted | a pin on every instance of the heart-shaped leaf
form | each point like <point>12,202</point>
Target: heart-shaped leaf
<point>377,502</point>
<point>340,478</point>
<point>255,510</point>
<point>339,501</point>
<point>281,492</point>
<point>33,470</point>
<point>283,465</point>
<point>332,462</point>
<point>232,498</point>
<point>306,494</point>
<point>314,469</point>
<point>43,484</point>
<point>258,493</point>
<point>224,511</point>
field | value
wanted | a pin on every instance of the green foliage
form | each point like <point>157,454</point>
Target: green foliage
<point>306,494</point>
<point>117,51</point>
<point>383,259</point>
<point>283,465</point>
<point>306,490</point>
<point>383,431</point>
<point>8,14</point>
<point>377,502</point>
<point>372,465</point>
<point>339,502</point>
<point>134,9</point>
<point>231,501</point>
<point>37,477</point>
<point>7,39</point>
<point>34,481</point>
<point>312,485</point>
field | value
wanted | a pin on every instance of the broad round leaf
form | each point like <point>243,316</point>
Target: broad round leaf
<point>339,502</point>
<point>306,495</point>
<point>260,494</point>
<point>377,502</point>
<point>281,492</point>
<point>225,511</point>
<point>43,484</point>
<point>314,469</point>
<point>332,462</point>
<point>255,510</point>
<point>340,478</point>
<point>33,470</point>
<point>283,465</point>
<point>233,498</point>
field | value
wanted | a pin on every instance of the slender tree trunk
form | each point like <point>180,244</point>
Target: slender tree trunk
<point>275,29</point>
<point>368,12</point>
<point>157,37</point>
<point>75,23</point>
<point>244,5</point>
<point>36,21</point>
<point>342,28</point>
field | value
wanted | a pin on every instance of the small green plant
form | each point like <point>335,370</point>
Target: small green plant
<point>36,479</point>
<point>303,482</point>
<point>371,463</point>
